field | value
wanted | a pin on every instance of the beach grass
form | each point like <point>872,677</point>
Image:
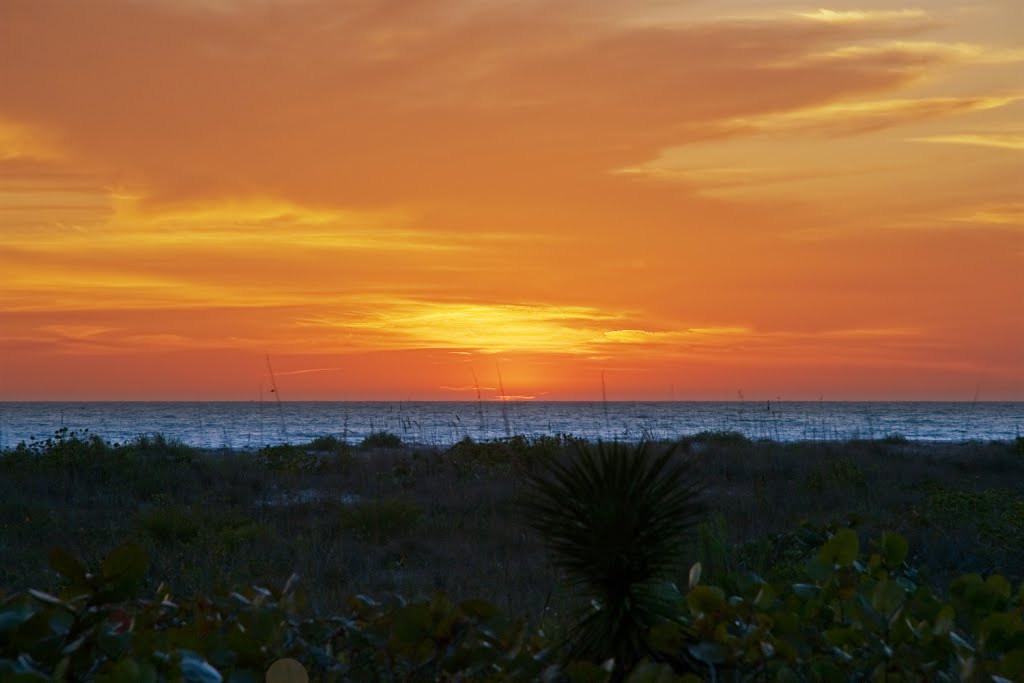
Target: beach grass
<point>383,517</point>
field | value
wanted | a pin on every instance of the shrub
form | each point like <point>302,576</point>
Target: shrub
<point>168,523</point>
<point>380,520</point>
<point>328,443</point>
<point>289,458</point>
<point>381,440</point>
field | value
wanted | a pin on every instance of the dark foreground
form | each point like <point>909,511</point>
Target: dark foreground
<point>382,518</point>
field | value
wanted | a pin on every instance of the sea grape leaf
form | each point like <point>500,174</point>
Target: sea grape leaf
<point>841,549</point>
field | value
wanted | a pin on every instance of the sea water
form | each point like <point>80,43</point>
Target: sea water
<point>241,425</point>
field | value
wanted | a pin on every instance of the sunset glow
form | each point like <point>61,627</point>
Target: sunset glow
<point>427,200</point>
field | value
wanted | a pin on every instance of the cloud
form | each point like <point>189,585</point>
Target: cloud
<point>857,17</point>
<point>321,103</point>
<point>1011,141</point>
<point>855,117</point>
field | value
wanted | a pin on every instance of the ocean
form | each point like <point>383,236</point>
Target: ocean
<point>250,424</point>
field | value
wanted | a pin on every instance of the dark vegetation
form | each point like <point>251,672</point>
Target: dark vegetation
<point>714,556</point>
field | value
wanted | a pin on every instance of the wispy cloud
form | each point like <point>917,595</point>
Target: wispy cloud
<point>1011,141</point>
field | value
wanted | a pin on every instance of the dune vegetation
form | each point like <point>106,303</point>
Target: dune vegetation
<point>711,557</point>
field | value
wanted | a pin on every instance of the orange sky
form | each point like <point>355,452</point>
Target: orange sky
<point>694,198</point>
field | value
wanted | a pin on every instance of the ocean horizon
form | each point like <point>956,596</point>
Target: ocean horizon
<point>252,424</point>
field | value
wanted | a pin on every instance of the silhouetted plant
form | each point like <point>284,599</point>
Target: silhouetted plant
<point>615,518</point>
<point>383,440</point>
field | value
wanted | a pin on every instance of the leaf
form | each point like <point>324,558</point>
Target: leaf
<point>412,624</point>
<point>478,608</point>
<point>894,549</point>
<point>841,549</point>
<point>651,672</point>
<point>705,599</point>
<point>195,669</point>
<point>586,672</point>
<point>130,671</point>
<point>999,585</point>
<point>127,562</point>
<point>765,597</point>
<point>14,615</point>
<point>806,591</point>
<point>51,600</point>
<point>68,566</point>
<point>944,621</point>
<point>888,597</point>
<point>709,653</point>
<point>695,571</point>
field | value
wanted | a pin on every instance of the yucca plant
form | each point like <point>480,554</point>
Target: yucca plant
<point>615,518</point>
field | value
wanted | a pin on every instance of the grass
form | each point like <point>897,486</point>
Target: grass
<point>389,518</point>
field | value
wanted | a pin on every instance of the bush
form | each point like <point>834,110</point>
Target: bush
<point>851,615</point>
<point>328,443</point>
<point>289,458</point>
<point>168,523</point>
<point>380,520</point>
<point>381,440</point>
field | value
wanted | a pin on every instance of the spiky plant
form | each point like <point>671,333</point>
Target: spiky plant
<point>615,518</point>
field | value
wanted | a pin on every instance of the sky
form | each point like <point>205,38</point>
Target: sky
<point>556,200</point>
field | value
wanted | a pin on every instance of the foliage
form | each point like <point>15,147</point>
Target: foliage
<point>615,518</point>
<point>328,443</point>
<point>380,520</point>
<point>381,440</point>
<point>289,458</point>
<point>850,616</point>
<point>99,630</point>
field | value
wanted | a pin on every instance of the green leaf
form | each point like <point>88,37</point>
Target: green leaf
<point>944,621</point>
<point>195,669</point>
<point>586,672</point>
<point>651,672</point>
<point>480,609</point>
<point>129,671</point>
<point>126,562</point>
<point>894,549</point>
<point>68,566</point>
<point>888,597</point>
<point>841,549</point>
<point>705,599</point>
<point>999,585</point>
<point>412,624</point>
<point>765,597</point>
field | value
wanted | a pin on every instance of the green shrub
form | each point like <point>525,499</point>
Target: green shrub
<point>157,445</point>
<point>328,443</point>
<point>852,614</point>
<point>380,520</point>
<point>168,523</point>
<point>289,458</point>
<point>834,475</point>
<point>382,441</point>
